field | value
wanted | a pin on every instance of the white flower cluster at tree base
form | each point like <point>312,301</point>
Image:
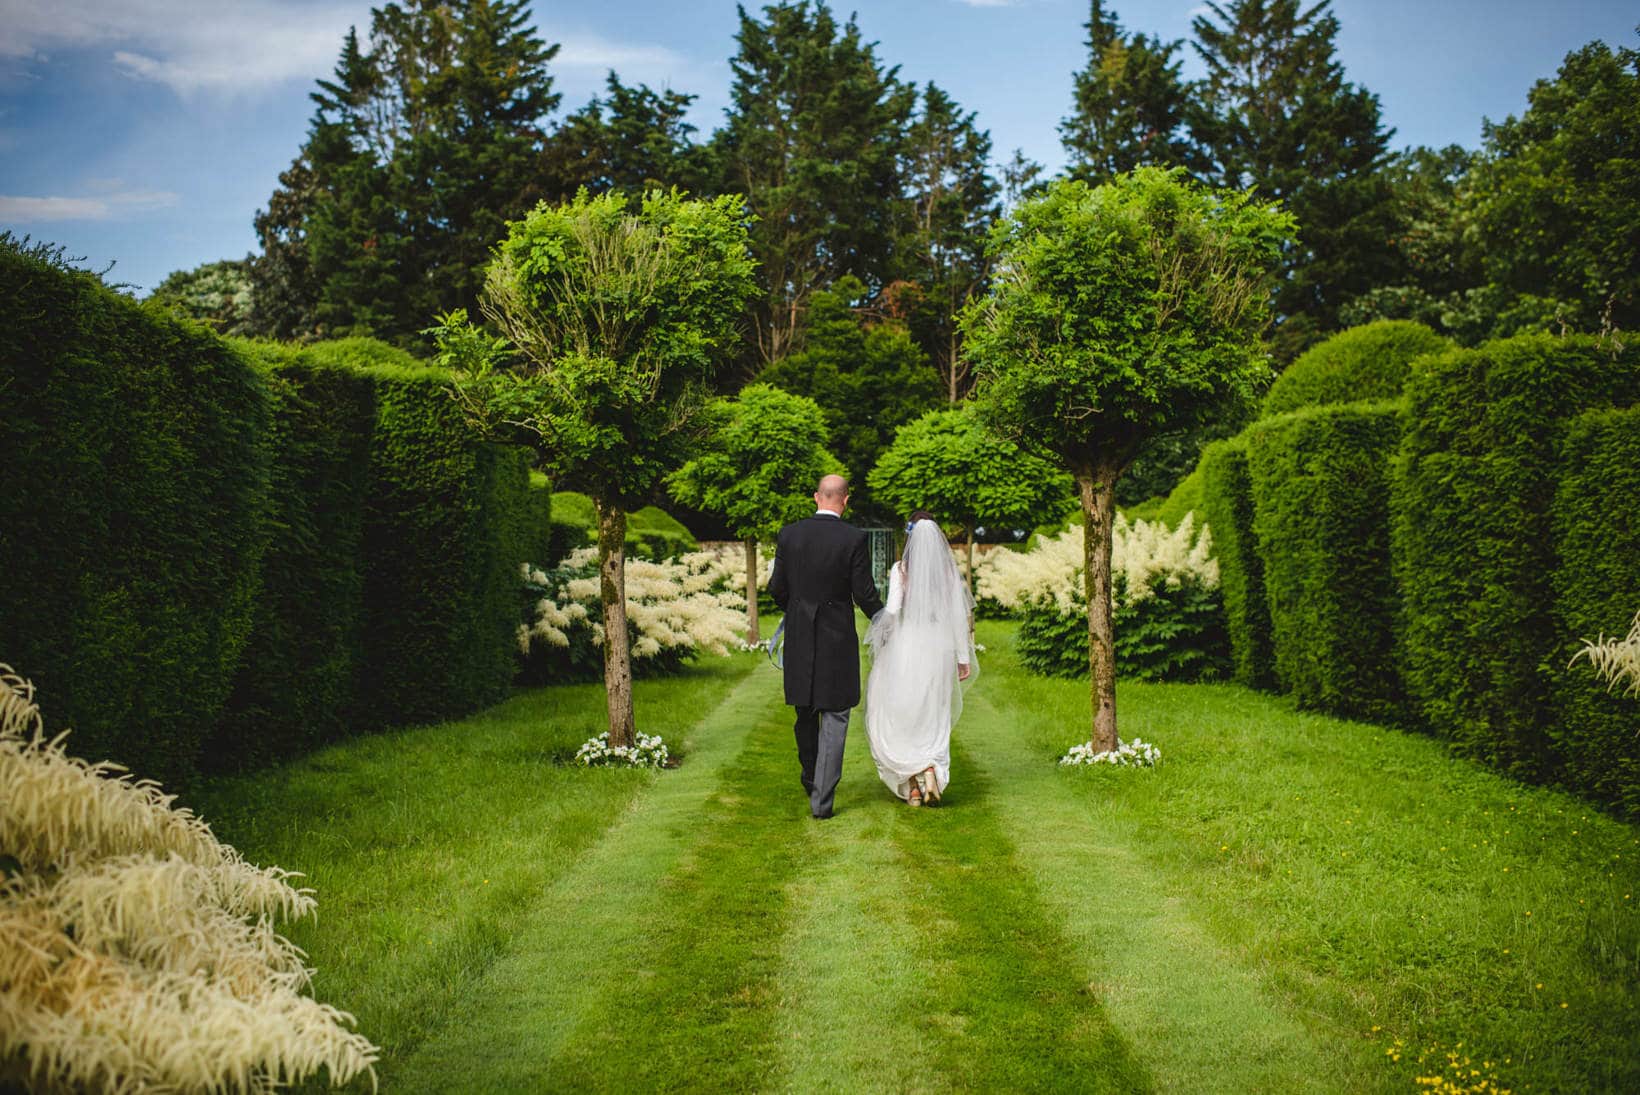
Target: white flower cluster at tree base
<point>1137,753</point>
<point>137,952</point>
<point>648,751</point>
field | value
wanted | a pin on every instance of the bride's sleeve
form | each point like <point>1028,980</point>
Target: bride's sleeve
<point>896,589</point>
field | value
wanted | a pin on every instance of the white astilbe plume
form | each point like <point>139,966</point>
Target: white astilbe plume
<point>1144,555</point>
<point>1616,661</point>
<point>137,952</point>
<point>693,602</point>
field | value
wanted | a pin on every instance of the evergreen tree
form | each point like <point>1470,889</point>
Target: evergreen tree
<point>813,139</point>
<point>950,204</point>
<point>633,139</point>
<point>421,148</point>
<point>867,375</point>
<point>1276,113</point>
<point>1131,105</point>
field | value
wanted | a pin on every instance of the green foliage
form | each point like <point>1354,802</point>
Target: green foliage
<point>1596,590</point>
<point>812,138</point>
<point>1276,113</point>
<point>1130,104</point>
<point>650,532</point>
<point>1123,312</point>
<point>446,529</point>
<point>217,293</point>
<point>1170,509</point>
<point>136,455</point>
<point>868,379</point>
<point>951,202</point>
<point>296,686</point>
<point>425,142</point>
<point>1175,634</point>
<point>632,140</point>
<point>1319,481</point>
<point>1556,192</point>
<point>948,463</point>
<point>1363,363</point>
<point>617,316</point>
<point>758,465</point>
<point>1227,509</point>
<point>1473,534</point>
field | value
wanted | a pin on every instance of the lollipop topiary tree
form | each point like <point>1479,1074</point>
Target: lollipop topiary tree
<point>1117,314</point>
<point>613,318</point>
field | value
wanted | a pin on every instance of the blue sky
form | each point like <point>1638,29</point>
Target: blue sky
<point>148,132</point>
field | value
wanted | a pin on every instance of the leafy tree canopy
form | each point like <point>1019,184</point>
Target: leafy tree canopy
<point>950,464</point>
<point>218,293</point>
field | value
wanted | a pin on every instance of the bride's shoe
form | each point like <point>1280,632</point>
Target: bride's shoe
<point>915,798</point>
<point>931,784</point>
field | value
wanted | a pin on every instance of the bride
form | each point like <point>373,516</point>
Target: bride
<point>921,652</point>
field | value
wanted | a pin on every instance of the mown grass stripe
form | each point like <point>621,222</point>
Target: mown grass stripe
<point>591,940</point>
<point>1197,1017</point>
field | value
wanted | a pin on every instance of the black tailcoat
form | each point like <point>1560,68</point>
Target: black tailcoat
<point>822,569</point>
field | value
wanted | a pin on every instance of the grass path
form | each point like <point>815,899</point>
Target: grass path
<point>1268,911</point>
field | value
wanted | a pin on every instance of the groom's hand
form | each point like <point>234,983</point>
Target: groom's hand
<point>963,671</point>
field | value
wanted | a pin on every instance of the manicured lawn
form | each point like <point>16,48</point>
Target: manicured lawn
<point>1270,910</point>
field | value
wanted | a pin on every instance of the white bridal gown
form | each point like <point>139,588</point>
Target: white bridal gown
<point>912,695</point>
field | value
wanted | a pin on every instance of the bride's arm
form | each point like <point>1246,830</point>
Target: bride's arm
<point>896,589</point>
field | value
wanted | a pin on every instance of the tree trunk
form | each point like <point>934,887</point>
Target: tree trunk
<point>970,528</point>
<point>752,635</point>
<point>617,651</point>
<point>1097,487</point>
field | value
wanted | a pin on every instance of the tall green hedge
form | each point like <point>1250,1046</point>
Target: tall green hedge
<point>134,450</point>
<point>1473,534</point>
<point>296,688</point>
<point>1227,508</point>
<point>444,537</point>
<point>1596,589</point>
<point>1321,521</point>
<point>1369,362</point>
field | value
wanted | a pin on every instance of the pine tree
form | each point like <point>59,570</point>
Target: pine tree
<point>813,138</point>
<point>1276,113</point>
<point>1131,105</point>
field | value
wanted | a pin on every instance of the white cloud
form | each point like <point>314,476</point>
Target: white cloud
<point>23,210</point>
<point>581,51</point>
<point>990,3</point>
<point>189,45</point>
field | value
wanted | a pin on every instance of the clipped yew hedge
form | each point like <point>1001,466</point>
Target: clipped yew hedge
<point>1595,730</point>
<point>1319,480</point>
<point>1227,508</point>
<point>233,552</point>
<point>1370,362</point>
<point>1473,536</point>
<point>298,683</point>
<point>135,456</point>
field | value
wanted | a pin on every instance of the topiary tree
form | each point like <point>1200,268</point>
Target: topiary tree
<point>1118,313</point>
<point>762,455</point>
<point>949,463</point>
<point>1367,362</point>
<point>616,316</point>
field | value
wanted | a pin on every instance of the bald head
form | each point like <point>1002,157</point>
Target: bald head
<point>832,494</point>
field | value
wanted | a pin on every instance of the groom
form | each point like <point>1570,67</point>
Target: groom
<point>821,565</point>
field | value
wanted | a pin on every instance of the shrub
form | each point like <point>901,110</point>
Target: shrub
<point>1227,508</point>
<point>1595,723</point>
<point>296,687</point>
<point>1168,618</point>
<point>675,609</point>
<point>1321,523</point>
<point>1171,508</point>
<point>1363,363</point>
<point>135,455</point>
<point>651,533</point>
<point>1473,534</point>
<point>139,952</point>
